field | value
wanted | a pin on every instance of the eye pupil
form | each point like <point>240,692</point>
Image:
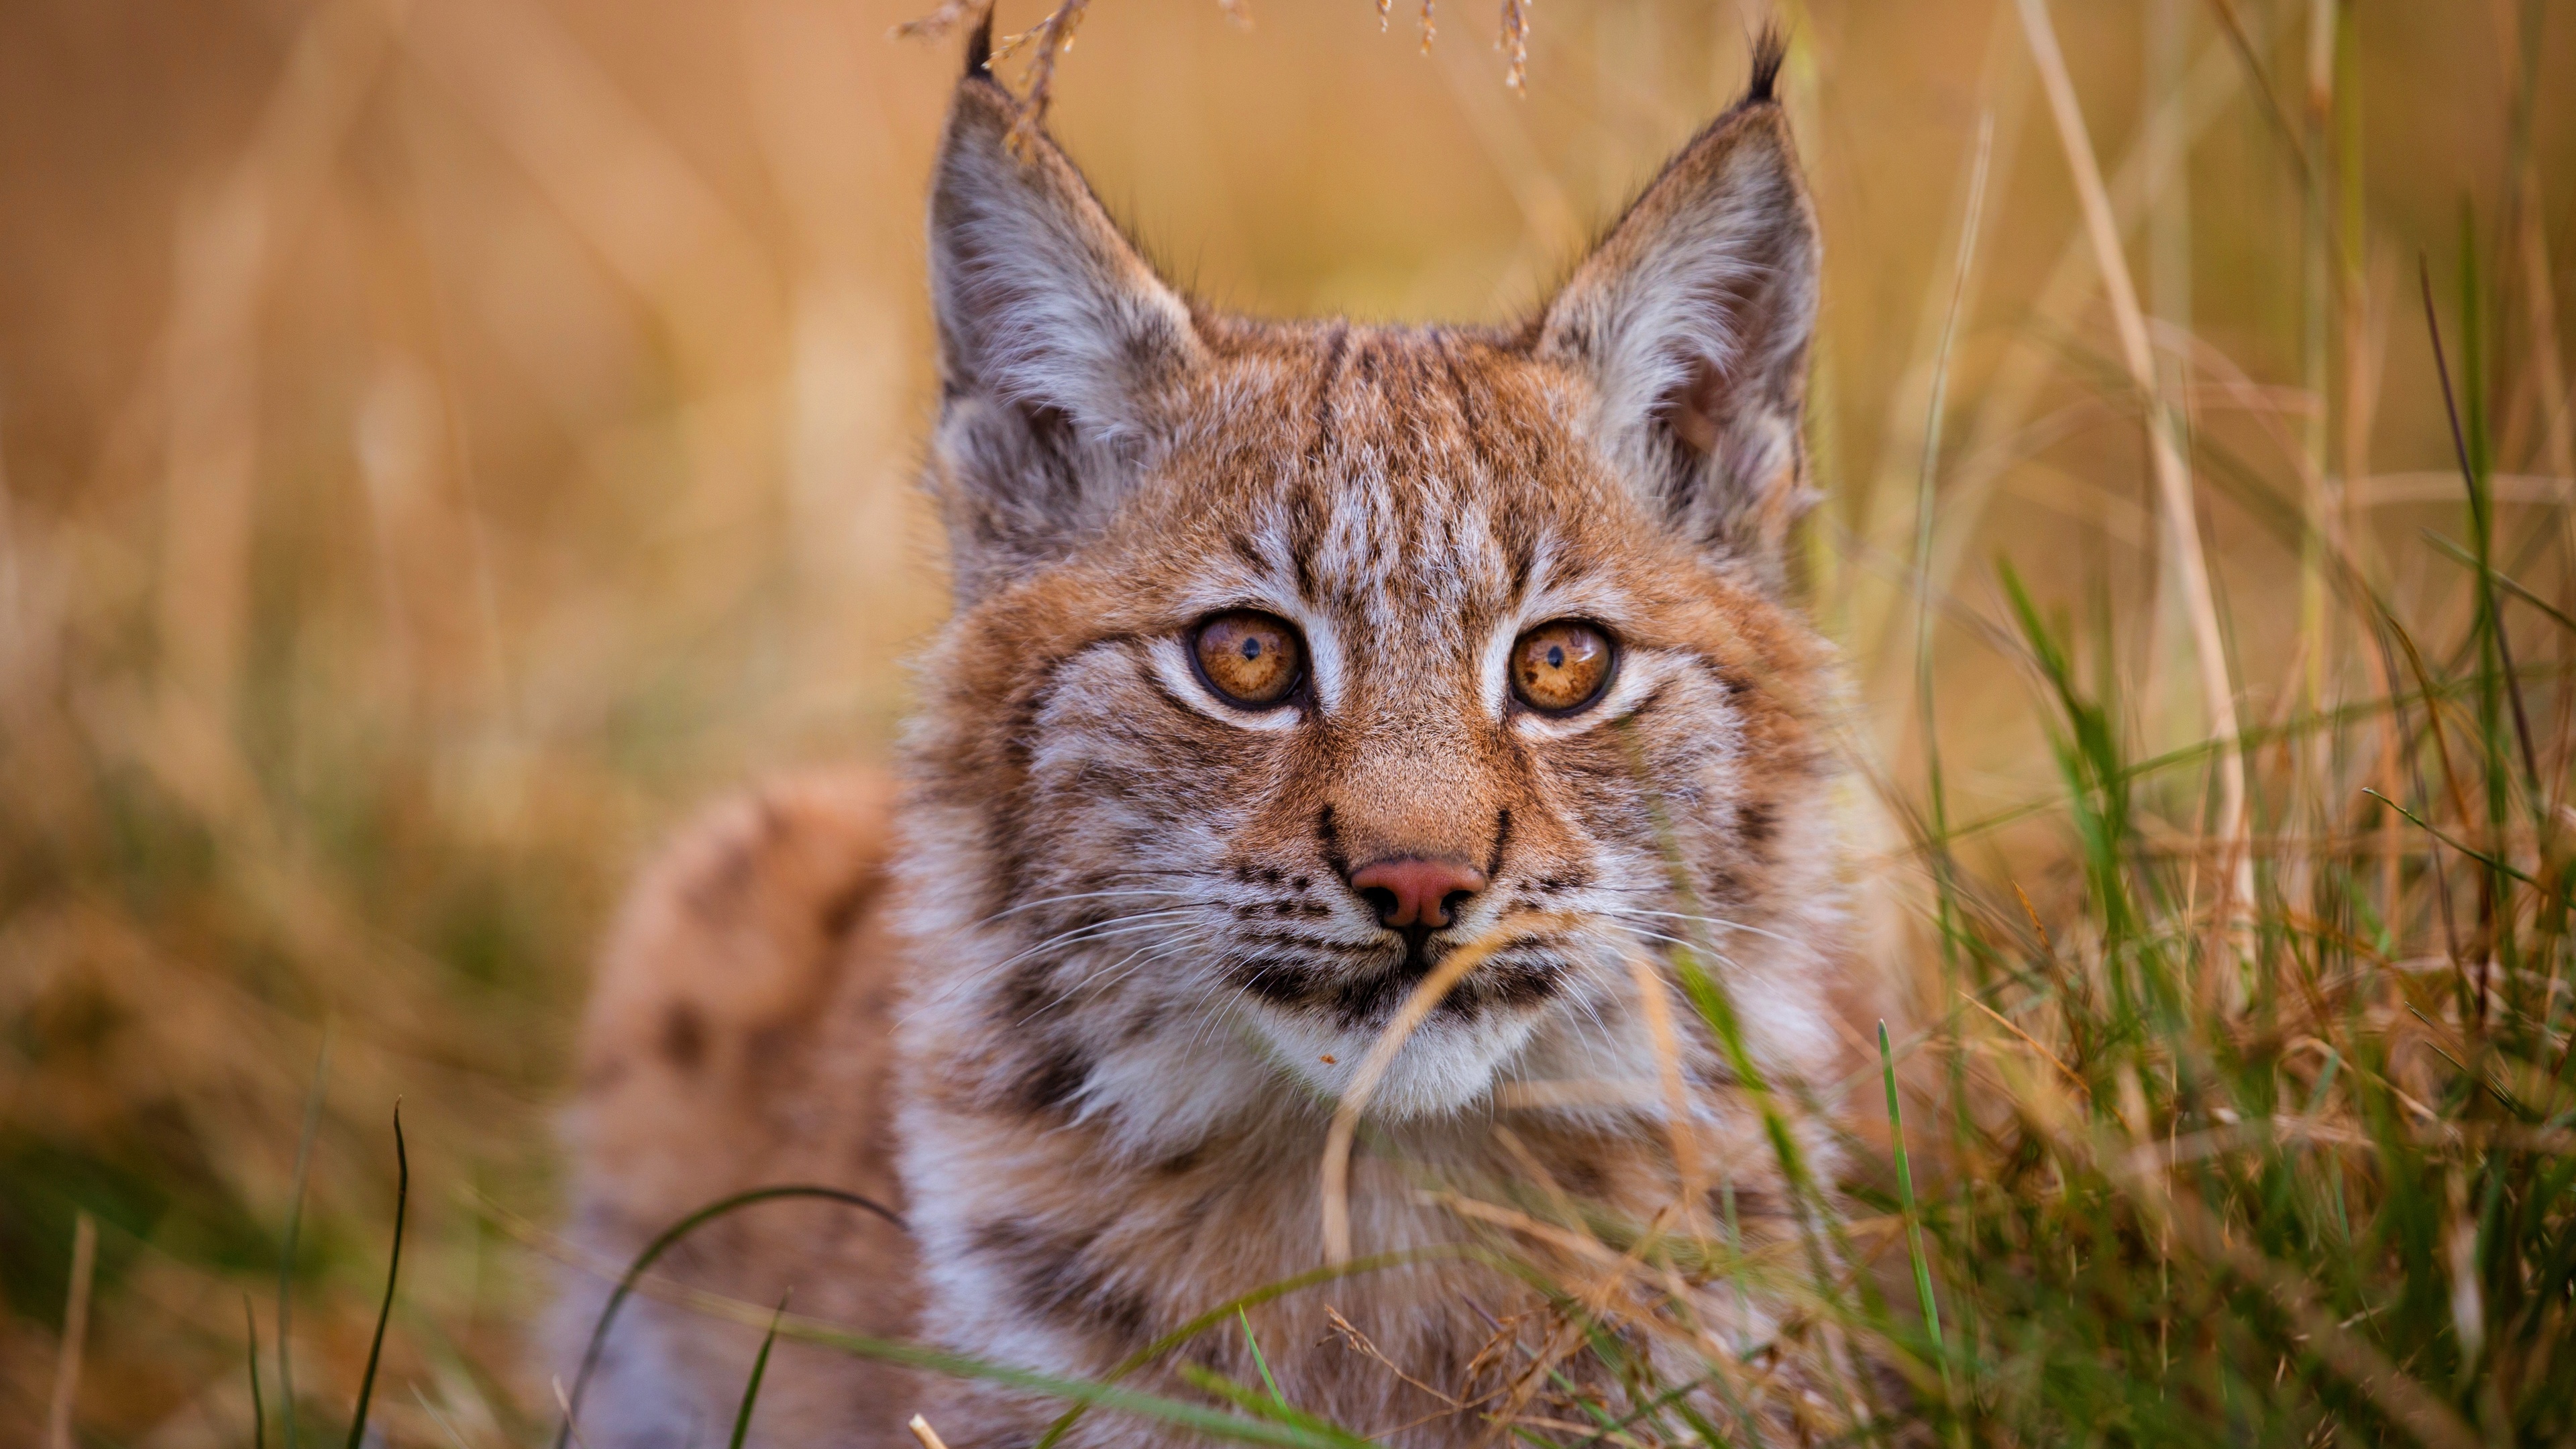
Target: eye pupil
<point>1247,658</point>
<point>1561,667</point>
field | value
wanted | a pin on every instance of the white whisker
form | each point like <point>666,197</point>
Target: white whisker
<point>1642,933</point>
<point>1102,979</point>
<point>1060,900</point>
<point>1704,920</point>
<point>968,983</point>
<point>1095,931</point>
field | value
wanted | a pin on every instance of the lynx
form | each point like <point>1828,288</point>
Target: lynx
<point>1288,659</point>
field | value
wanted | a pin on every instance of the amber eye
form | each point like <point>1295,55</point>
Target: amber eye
<point>1560,667</point>
<point>1250,659</point>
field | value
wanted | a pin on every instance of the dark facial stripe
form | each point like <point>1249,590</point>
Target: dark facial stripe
<point>1055,1078</point>
<point>1329,836</point>
<point>1655,700</point>
<point>1306,514</point>
<point>1466,399</point>
<point>1332,373</point>
<point>1357,997</point>
<point>1278,979</point>
<point>1520,541</point>
<point>1056,1280</point>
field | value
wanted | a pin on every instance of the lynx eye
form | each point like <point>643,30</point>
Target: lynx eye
<point>1250,659</point>
<point>1560,667</point>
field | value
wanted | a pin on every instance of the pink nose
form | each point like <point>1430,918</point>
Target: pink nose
<point>1413,892</point>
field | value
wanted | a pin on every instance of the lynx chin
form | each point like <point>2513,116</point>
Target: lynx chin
<point>1287,659</point>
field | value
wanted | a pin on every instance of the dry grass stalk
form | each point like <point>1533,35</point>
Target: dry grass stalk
<point>938,23</point>
<point>2008,1024</point>
<point>565,1405</point>
<point>229,244</point>
<point>1514,43</point>
<point>928,1436</point>
<point>1359,1343</point>
<point>1581,1246</point>
<point>67,1368</point>
<point>1372,1069</point>
<point>1998,440</point>
<point>2172,471</point>
<point>1679,1119</point>
<point>1053,36</point>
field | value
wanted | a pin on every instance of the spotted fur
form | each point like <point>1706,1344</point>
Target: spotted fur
<point>1136,977</point>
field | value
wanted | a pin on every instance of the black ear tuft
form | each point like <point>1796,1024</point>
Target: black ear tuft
<point>979,46</point>
<point>1770,48</point>
<point>1691,321</point>
<point>1058,346</point>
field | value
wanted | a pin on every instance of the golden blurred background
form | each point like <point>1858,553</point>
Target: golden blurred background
<point>441,441</point>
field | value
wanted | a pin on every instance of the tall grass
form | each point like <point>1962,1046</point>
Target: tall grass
<point>439,443</point>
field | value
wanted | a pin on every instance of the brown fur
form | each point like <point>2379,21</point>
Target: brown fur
<point>717,1056</point>
<point>1136,977</point>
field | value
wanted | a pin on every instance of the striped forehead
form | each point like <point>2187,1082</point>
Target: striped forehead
<point>1395,514</point>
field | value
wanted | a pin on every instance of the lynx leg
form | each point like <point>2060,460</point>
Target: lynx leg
<point>735,1039</point>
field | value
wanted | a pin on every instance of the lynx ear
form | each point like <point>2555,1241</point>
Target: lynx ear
<point>1055,340</point>
<point>1691,320</point>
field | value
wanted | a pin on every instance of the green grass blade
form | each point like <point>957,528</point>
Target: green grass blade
<point>1926,491</point>
<point>294,1230</point>
<point>258,1412</point>
<point>2501,867</point>
<point>1275,1411</point>
<point>1258,1360</point>
<point>2497,578</point>
<point>759,1370</point>
<point>393,1274</point>
<point>2468,442</point>
<point>662,1243</point>
<point>1905,1201</point>
<point>1258,1296</point>
<point>1285,1428</point>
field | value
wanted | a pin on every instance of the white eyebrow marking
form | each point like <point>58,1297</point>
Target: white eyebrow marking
<point>1493,670</point>
<point>1494,666</point>
<point>1263,589</point>
<point>1545,598</point>
<point>1324,658</point>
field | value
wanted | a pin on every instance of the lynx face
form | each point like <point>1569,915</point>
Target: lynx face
<point>1291,657</point>
<point>1290,662</point>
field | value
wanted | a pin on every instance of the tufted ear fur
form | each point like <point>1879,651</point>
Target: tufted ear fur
<point>1691,319</point>
<point>1055,340</point>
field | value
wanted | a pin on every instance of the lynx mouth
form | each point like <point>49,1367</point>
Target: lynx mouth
<point>1362,987</point>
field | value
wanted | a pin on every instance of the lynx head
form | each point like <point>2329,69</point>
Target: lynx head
<point>1289,657</point>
